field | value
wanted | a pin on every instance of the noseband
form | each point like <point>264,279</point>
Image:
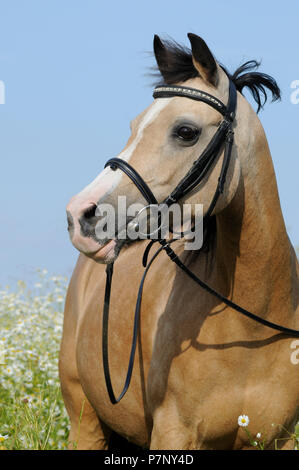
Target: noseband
<point>200,168</point>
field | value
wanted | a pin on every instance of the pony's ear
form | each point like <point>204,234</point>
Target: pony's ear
<point>203,59</point>
<point>160,52</point>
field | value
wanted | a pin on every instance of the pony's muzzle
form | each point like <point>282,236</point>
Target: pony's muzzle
<point>81,225</point>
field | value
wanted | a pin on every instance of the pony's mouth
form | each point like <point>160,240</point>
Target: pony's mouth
<point>103,247</point>
<point>107,252</point>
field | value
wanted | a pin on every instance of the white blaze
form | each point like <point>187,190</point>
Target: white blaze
<point>107,180</point>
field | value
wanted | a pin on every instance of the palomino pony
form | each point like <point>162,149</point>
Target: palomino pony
<point>199,363</point>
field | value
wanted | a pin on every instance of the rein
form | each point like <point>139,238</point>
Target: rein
<point>201,166</point>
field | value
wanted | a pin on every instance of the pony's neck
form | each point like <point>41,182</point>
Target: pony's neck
<point>253,253</point>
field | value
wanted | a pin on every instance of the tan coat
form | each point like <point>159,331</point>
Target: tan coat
<point>199,364</point>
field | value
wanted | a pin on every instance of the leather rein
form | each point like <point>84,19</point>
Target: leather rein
<point>223,136</point>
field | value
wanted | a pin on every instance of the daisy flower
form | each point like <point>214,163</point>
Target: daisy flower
<point>243,421</point>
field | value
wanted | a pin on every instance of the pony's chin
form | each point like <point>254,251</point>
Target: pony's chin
<point>107,253</point>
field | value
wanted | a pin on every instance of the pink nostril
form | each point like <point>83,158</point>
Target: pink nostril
<point>78,208</point>
<point>82,220</point>
<point>80,213</point>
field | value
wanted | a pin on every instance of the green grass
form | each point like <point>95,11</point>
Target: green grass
<point>32,413</point>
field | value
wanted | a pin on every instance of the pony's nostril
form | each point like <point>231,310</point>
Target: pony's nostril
<point>88,221</point>
<point>90,212</point>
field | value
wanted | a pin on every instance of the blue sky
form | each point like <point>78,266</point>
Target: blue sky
<point>75,75</point>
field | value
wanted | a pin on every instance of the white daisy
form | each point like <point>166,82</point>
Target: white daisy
<point>243,421</point>
<point>258,435</point>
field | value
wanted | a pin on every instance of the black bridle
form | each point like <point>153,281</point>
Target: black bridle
<point>200,168</point>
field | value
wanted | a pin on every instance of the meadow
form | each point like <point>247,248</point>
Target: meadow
<point>32,412</point>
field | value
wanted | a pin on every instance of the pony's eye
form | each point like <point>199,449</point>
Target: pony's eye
<point>187,133</point>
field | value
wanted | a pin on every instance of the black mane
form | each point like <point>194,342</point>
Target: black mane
<point>179,68</point>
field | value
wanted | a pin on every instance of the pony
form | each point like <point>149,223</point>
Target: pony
<point>200,365</point>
